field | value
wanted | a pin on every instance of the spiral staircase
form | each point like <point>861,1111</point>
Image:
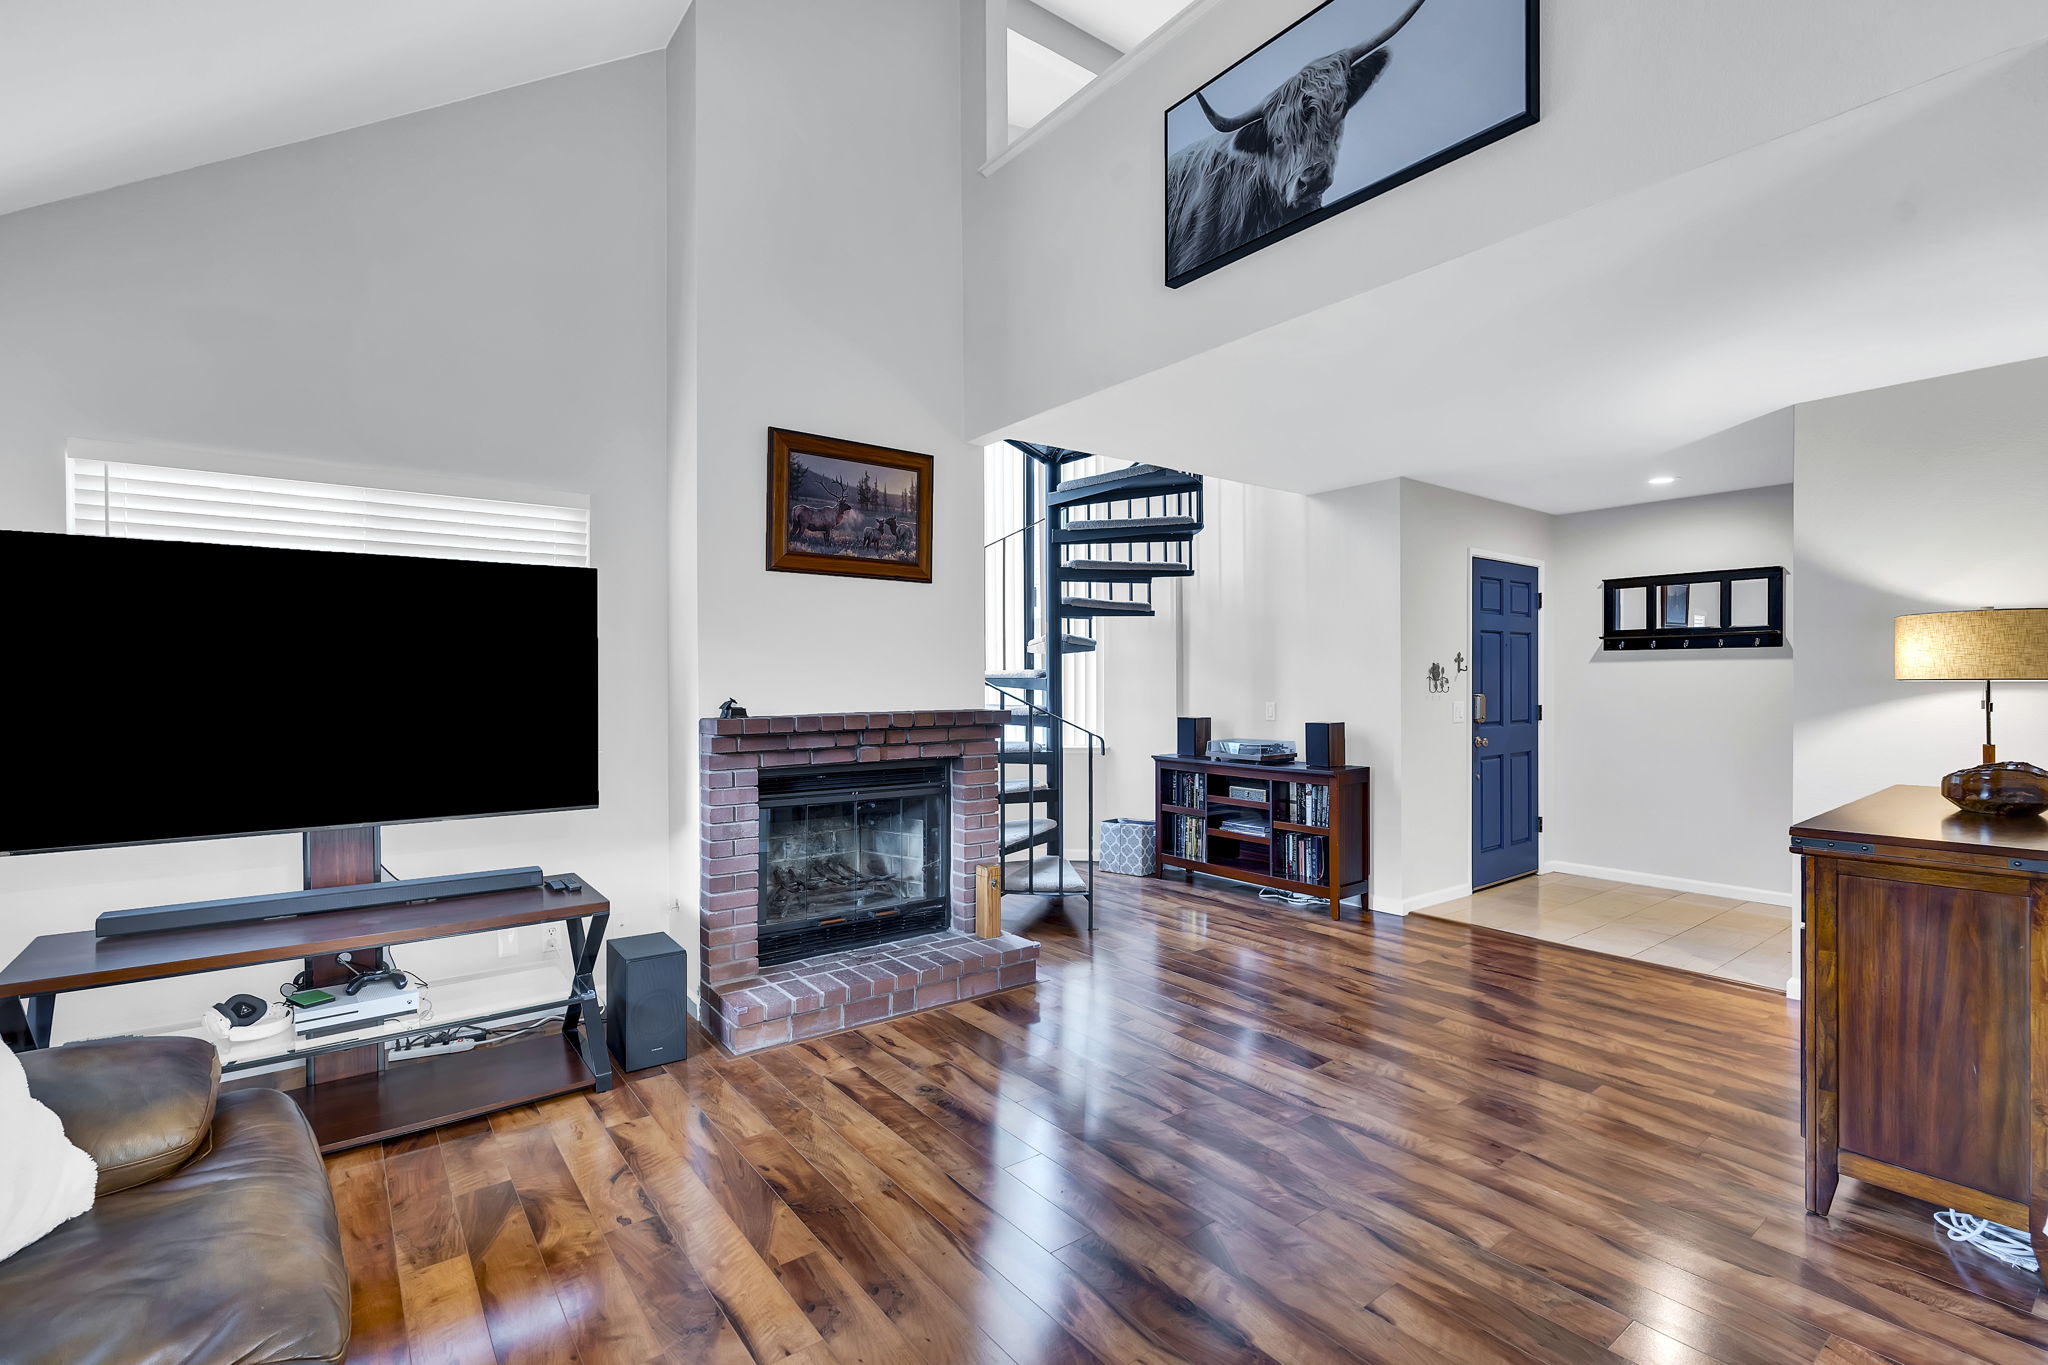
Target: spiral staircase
<point>1092,545</point>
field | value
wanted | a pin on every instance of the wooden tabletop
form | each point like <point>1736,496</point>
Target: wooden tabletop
<point>1251,769</point>
<point>74,961</point>
<point>1921,817</point>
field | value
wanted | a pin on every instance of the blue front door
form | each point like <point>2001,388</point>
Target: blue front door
<point>1504,714</point>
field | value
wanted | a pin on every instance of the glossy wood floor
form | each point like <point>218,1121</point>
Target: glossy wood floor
<point>1228,1132</point>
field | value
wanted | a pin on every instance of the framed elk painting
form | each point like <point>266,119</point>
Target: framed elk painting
<point>1357,97</point>
<point>841,507</point>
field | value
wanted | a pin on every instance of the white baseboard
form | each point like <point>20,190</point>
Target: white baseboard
<point>1429,898</point>
<point>1664,883</point>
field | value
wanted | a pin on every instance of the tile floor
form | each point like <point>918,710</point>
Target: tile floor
<point>1737,940</point>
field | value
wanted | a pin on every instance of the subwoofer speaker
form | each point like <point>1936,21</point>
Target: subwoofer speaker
<point>646,1016</point>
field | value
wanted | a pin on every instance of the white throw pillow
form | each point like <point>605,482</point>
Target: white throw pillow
<point>44,1180</point>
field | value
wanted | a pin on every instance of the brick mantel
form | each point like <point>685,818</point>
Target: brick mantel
<point>745,1010</point>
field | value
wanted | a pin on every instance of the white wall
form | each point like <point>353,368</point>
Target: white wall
<point>1294,602</point>
<point>827,287</point>
<point>1674,767</point>
<point>1924,497</point>
<point>815,284</point>
<point>685,700</point>
<point>1441,531</point>
<point>470,296</point>
<point>1065,254</point>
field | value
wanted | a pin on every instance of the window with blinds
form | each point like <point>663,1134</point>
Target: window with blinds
<point>157,502</point>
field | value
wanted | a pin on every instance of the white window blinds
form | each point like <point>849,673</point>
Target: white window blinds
<point>157,502</point>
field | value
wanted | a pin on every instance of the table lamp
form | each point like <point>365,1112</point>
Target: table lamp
<point>1987,645</point>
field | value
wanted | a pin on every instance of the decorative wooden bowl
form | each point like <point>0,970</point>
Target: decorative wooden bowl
<point>1999,789</point>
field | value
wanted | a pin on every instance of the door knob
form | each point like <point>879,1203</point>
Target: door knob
<point>1479,741</point>
<point>1479,708</point>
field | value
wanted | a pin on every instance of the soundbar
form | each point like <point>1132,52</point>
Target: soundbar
<point>153,919</point>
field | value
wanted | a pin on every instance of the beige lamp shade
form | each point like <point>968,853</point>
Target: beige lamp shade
<point>1973,644</point>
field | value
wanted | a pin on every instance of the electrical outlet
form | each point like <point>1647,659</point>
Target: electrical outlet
<point>508,942</point>
<point>553,940</point>
<point>1272,710</point>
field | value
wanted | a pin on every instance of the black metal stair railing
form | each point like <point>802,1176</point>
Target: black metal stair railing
<point>1092,744</point>
<point>1074,561</point>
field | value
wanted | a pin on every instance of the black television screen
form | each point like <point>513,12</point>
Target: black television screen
<point>162,690</point>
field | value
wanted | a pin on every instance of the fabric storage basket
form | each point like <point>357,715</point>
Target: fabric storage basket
<point>1129,848</point>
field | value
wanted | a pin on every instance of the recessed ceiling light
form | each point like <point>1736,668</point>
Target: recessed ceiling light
<point>1663,479</point>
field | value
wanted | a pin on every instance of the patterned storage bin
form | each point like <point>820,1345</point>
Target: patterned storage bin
<point>1130,848</point>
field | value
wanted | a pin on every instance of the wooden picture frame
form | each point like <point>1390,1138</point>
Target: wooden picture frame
<point>847,508</point>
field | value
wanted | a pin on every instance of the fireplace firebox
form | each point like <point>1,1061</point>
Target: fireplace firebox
<point>851,856</point>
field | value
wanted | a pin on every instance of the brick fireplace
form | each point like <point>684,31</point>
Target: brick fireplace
<point>747,1006</point>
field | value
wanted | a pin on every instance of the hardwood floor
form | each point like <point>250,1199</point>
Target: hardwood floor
<point>1227,1132</point>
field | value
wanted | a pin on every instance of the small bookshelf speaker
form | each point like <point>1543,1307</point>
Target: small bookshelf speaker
<point>1323,745</point>
<point>1193,740</point>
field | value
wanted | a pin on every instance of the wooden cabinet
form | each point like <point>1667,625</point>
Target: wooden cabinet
<point>1282,825</point>
<point>1925,972</point>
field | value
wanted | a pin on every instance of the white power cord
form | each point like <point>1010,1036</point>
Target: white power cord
<point>2009,1246</point>
<point>1290,897</point>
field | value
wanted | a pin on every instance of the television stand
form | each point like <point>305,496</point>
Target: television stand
<point>373,1103</point>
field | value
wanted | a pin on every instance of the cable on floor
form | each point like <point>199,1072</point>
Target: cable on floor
<point>1290,897</point>
<point>2009,1246</point>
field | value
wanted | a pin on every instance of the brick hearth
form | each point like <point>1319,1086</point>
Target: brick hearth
<point>745,1008</point>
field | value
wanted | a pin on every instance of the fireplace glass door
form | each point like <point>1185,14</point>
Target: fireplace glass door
<point>851,858</point>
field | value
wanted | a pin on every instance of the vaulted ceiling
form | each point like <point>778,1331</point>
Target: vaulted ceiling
<point>97,93</point>
<point>1646,336</point>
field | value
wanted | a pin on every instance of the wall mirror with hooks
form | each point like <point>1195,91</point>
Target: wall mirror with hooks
<point>1711,609</point>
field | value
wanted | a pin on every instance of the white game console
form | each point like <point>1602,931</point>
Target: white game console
<point>375,1003</point>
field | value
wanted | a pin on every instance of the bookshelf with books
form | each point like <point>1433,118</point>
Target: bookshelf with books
<point>1285,826</point>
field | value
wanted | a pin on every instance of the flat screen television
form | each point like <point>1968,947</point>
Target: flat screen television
<point>164,690</point>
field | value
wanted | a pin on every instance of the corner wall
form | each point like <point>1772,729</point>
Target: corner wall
<point>470,297</point>
<point>1294,601</point>
<point>825,270</point>
<point>1923,497</point>
<point>1675,771</point>
<point>1672,766</point>
<point>815,278</point>
<point>1441,531</point>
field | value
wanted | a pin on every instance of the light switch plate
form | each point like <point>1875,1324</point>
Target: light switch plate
<point>1272,710</point>
<point>1458,709</point>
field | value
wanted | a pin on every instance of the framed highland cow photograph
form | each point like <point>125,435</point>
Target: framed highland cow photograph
<point>840,507</point>
<point>1358,96</point>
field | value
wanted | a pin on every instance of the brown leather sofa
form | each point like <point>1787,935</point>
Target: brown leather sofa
<point>212,1238</point>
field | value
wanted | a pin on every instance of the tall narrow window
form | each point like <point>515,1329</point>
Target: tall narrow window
<point>1005,632</point>
<point>160,502</point>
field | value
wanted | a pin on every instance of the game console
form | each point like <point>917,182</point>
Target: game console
<point>374,1002</point>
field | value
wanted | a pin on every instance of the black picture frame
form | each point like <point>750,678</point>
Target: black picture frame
<point>1530,115</point>
<point>1657,631</point>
